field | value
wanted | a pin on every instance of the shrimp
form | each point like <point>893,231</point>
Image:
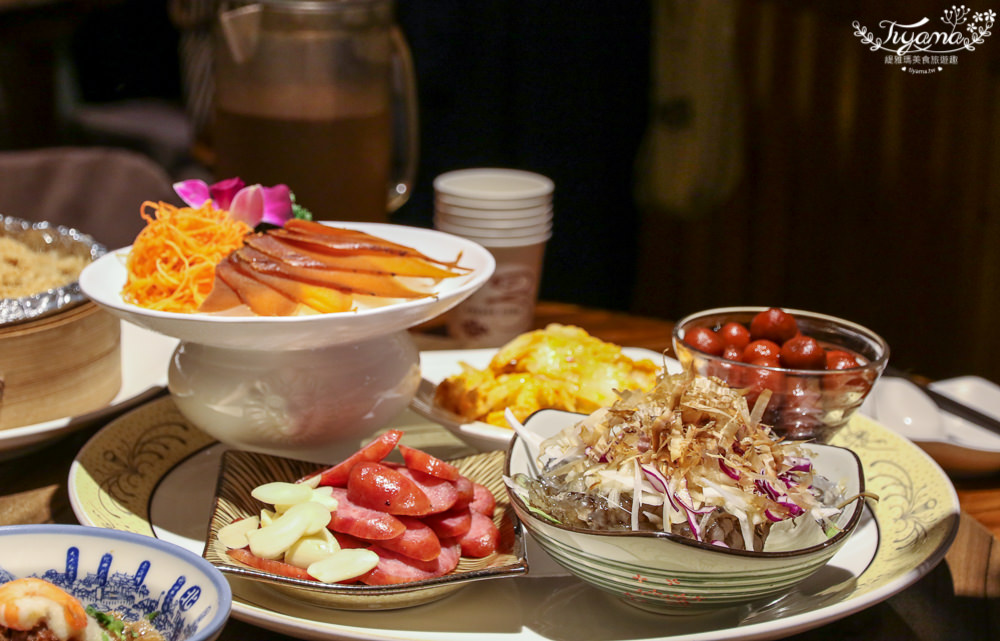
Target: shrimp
<point>28,603</point>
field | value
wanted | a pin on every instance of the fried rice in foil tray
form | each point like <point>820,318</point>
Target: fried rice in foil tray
<point>72,250</point>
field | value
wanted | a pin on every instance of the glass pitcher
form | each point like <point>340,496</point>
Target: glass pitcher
<point>319,95</point>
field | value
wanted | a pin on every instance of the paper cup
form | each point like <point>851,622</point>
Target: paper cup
<point>492,232</point>
<point>513,215</point>
<point>504,307</point>
<point>493,184</point>
<point>488,204</point>
<point>509,212</point>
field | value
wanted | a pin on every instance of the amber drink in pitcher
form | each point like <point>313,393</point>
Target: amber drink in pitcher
<point>319,95</point>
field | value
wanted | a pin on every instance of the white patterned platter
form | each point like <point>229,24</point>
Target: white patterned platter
<point>151,472</point>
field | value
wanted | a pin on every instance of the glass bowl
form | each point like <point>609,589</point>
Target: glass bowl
<point>807,403</point>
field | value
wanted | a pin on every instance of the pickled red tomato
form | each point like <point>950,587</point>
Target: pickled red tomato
<point>774,324</point>
<point>732,353</point>
<point>803,352</point>
<point>705,340</point>
<point>735,335</point>
<point>735,342</point>
<point>758,379</point>
<point>762,348</point>
<point>839,359</point>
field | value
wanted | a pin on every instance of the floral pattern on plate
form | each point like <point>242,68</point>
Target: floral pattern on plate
<point>912,534</point>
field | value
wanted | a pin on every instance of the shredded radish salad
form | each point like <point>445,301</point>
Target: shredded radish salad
<point>688,457</point>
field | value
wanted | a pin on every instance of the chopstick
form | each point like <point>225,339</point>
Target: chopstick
<point>947,403</point>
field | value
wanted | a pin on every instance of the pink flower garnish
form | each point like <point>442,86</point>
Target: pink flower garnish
<point>225,191</point>
<point>193,192</point>
<point>277,204</point>
<point>250,204</point>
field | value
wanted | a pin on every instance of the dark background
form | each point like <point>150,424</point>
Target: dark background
<point>801,170</point>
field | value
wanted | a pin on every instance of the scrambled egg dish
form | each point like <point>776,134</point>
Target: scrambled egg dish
<point>559,367</point>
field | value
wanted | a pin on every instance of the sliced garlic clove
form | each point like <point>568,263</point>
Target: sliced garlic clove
<point>312,548</point>
<point>281,493</point>
<point>345,564</point>
<point>271,541</point>
<point>234,535</point>
<point>318,515</point>
<point>324,496</point>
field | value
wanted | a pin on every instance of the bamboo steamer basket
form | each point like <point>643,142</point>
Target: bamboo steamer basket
<point>65,364</point>
<point>59,352</point>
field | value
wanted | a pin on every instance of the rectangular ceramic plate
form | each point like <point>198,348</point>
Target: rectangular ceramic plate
<point>241,472</point>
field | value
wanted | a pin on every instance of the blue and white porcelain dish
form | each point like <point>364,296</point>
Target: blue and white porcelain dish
<point>133,575</point>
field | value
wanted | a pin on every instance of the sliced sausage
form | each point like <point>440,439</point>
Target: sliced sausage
<point>451,523</point>
<point>423,462</point>
<point>466,492</point>
<point>395,568</point>
<point>442,493</point>
<point>362,522</point>
<point>483,500</point>
<point>482,538</point>
<point>419,541</point>
<point>375,451</point>
<point>381,487</point>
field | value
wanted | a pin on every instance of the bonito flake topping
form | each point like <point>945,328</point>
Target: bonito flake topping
<point>700,462</point>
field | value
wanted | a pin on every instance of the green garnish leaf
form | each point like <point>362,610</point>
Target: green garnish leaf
<point>110,623</point>
<point>298,211</point>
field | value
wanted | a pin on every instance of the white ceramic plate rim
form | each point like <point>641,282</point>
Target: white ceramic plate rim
<point>103,280</point>
<point>307,628</point>
<point>958,455</point>
<point>437,365</point>
<point>145,358</point>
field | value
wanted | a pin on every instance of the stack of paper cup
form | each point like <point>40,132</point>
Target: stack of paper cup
<point>510,213</point>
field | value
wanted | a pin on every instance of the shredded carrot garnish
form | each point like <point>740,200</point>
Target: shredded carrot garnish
<point>171,266</point>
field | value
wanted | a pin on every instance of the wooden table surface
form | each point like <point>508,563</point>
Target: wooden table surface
<point>957,600</point>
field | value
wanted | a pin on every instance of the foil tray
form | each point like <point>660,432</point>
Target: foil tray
<point>44,236</point>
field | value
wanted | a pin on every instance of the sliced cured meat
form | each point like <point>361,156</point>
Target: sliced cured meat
<point>334,239</point>
<point>395,568</point>
<point>451,523</point>
<point>374,451</point>
<point>381,487</point>
<point>482,538</point>
<point>441,493</point>
<point>317,296</point>
<point>341,282</point>
<point>221,298</point>
<point>466,492</point>
<point>483,500</point>
<point>261,299</point>
<point>448,560</point>
<point>423,462</point>
<point>281,568</point>
<point>362,522</point>
<point>300,256</point>
<point>419,541</point>
<point>347,542</point>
